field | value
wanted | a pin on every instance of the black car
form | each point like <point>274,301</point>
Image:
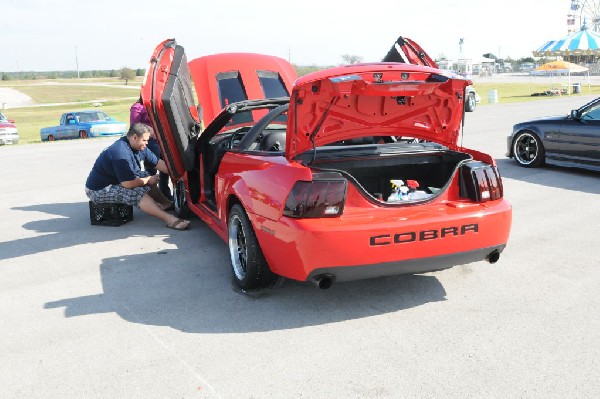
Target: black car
<point>571,140</point>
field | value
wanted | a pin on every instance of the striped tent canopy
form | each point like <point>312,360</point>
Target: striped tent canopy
<point>584,42</point>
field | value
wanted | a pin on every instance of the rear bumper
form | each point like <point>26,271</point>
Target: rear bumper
<point>9,139</point>
<point>372,244</point>
<point>107,134</point>
<point>425,265</point>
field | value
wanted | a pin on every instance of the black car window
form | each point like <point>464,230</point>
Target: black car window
<point>272,84</point>
<point>592,113</point>
<point>273,87</point>
<point>231,90</point>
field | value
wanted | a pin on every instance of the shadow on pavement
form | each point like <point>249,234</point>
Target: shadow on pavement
<point>72,227</point>
<point>191,296</point>
<point>573,179</point>
<point>190,288</point>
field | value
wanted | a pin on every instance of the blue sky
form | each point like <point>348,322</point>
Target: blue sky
<point>43,35</point>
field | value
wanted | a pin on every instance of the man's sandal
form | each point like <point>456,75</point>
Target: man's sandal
<point>179,224</point>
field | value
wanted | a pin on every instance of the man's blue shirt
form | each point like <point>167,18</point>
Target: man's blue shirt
<point>154,147</point>
<point>118,163</point>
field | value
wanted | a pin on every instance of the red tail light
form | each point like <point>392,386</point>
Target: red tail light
<point>481,182</point>
<point>316,199</point>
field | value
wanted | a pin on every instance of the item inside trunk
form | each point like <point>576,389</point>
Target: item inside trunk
<point>416,172</point>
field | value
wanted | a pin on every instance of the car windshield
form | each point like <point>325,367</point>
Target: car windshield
<point>92,116</point>
<point>3,118</point>
<point>592,113</point>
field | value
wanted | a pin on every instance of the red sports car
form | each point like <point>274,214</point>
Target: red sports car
<point>308,180</point>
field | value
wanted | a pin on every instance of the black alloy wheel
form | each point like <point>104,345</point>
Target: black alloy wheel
<point>528,150</point>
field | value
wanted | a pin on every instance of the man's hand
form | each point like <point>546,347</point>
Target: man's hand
<point>141,181</point>
<point>152,180</point>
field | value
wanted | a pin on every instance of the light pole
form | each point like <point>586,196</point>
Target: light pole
<point>76,62</point>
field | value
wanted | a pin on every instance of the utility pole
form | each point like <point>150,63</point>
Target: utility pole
<point>76,62</point>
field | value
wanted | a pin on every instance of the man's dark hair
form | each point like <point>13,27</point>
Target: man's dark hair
<point>138,129</point>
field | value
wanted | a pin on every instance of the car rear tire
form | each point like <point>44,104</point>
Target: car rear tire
<point>471,102</point>
<point>528,150</point>
<point>250,269</point>
<point>51,137</point>
<point>83,134</point>
<point>180,204</point>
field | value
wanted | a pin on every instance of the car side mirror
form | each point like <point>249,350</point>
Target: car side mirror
<point>575,114</point>
<point>11,121</point>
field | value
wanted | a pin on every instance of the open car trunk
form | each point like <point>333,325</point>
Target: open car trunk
<point>379,169</point>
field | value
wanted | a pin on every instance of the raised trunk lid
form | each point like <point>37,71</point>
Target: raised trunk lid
<point>380,99</point>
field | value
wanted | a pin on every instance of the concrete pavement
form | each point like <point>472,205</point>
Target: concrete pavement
<point>142,311</point>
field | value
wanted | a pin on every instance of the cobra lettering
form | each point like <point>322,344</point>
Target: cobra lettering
<point>424,235</point>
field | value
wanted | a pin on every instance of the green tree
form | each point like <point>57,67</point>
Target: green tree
<point>140,72</point>
<point>302,70</point>
<point>526,59</point>
<point>127,74</point>
<point>351,59</point>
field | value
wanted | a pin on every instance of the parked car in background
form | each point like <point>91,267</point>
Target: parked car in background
<point>310,184</point>
<point>8,131</point>
<point>83,124</point>
<point>571,140</point>
<point>526,67</point>
<point>472,99</point>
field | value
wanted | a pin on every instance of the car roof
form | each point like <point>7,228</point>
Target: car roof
<point>241,72</point>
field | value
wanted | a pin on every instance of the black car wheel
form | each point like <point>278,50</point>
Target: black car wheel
<point>180,201</point>
<point>250,269</point>
<point>471,103</point>
<point>83,134</point>
<point>528,150</point>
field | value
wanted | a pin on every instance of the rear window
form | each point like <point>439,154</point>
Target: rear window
<point>231,90</point>
<point>273,87</point>
<point>272,84</point>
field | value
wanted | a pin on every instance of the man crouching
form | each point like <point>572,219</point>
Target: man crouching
<point>117,177</point>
